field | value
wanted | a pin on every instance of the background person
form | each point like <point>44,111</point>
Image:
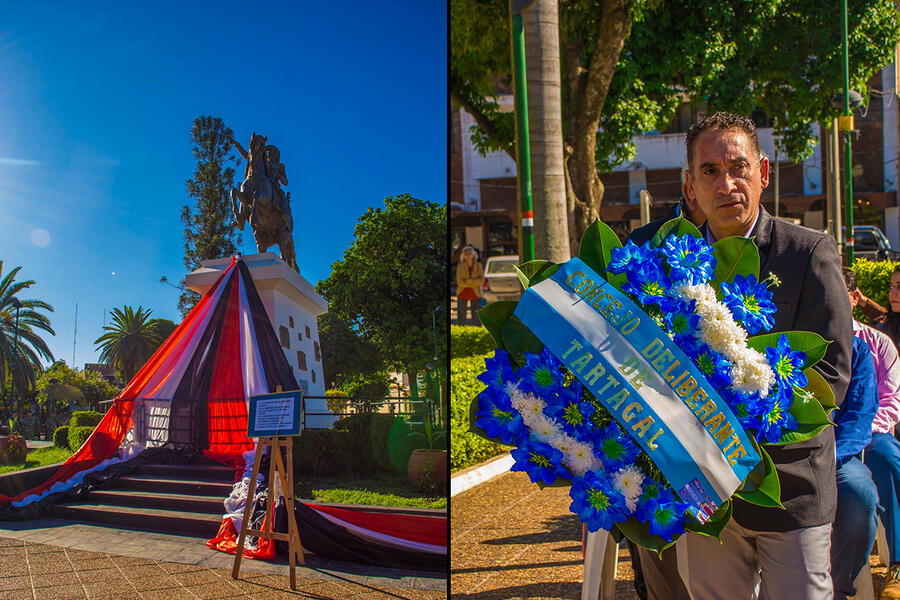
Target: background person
<point>469,275</point>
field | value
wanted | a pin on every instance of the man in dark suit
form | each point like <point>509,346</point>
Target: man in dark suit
<point>780,553</point>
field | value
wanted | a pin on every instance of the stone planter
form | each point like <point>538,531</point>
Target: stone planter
<point>4,442</point>
<point>431,463</point>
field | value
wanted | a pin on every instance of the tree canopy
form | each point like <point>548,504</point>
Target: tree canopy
<point>210,230</point>
<point>350,362</point>
<point>628,65</point>
<point>59,385</point>
<point>392,277</point>
<point>130,340</point>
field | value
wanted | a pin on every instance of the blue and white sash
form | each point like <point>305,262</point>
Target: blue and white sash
<point>651,387</point>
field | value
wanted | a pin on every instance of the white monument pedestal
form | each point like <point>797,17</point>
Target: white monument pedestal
<point>292,305</point>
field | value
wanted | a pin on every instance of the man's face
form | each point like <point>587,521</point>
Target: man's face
<point>726,181</point>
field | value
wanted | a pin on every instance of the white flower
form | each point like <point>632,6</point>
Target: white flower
<point>629,482</point>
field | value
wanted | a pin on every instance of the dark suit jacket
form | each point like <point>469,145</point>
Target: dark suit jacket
<point>812,297</point>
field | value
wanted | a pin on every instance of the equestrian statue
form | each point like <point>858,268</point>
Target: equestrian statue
<point>260,200</point>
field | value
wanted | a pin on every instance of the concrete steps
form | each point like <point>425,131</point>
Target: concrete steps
<point>183,499</point>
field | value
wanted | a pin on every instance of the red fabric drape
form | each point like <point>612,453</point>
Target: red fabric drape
<point>426,530</point>
<point>226,541</point>
<point>227,423</point>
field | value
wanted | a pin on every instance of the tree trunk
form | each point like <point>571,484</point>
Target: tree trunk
<point>587,86</point>
<point>551,235</point>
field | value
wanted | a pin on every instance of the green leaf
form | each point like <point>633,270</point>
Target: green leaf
<point>535,271</point>
<point>639,533</point>
<point>597,244</point>
<point>734,256</point>
<point>714,525</point>
<point>494,316</point>
<point>811,420</point>
<point>558,482</point>
<point>816,384</point>
<point>518,339</point>
<point>811,344</point>
<point>678,226</point>
<point>761,486</point>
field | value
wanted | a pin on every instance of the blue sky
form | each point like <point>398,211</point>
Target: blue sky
<point>96,106</point>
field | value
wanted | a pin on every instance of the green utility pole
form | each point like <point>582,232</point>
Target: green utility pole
<point>845,125</point>
<point>523,154</point>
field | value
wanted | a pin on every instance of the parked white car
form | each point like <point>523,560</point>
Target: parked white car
<point>500,279</point>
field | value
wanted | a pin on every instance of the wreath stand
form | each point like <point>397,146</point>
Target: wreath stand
<point>285,476</point>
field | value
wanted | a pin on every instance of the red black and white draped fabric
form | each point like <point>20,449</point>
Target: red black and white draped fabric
<point>385,539</point>
<point>195,386</point>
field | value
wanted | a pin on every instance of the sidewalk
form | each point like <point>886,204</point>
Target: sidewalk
<point>510,539</point>
<point>57,559</point>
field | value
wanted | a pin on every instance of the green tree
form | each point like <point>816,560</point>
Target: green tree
<point>164,328</point>
<point>627,65</point>
<point>21,346</point>
<point>59,385</point>
<point>391,278</point>
<point>350,362</point>
<point>129,341</point>
<point>210,230</point>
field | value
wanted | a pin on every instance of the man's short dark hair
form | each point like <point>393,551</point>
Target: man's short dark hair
<point>721,121</point>
<point>849,279</point>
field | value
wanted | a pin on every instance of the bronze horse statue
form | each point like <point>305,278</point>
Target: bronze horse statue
<point>261,201</point>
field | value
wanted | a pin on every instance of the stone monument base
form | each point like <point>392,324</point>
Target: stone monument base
<point>292,305</point>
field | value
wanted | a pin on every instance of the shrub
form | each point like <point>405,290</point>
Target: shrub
<point>326,453</point>
<point>467,448</point>
<point>468,340</point>
<point>78,435</point>
<point>16,451</point>
<point>61,437</point>
<point>85,418</point>
<point>369,438</point>
<point>874,280</point>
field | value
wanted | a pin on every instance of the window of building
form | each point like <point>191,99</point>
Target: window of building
<point>301,360</point>
<point>285,336</point>
<point>291,322</point>
<point>299,337</point>
<point>316,348</point>
<point>307,331</point>
<point>313,374</point>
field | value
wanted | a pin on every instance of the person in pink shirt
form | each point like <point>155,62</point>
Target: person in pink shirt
<point>882,455</point>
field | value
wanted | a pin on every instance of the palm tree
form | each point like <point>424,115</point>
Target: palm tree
<point>21,348</point>
<point>129,341</point>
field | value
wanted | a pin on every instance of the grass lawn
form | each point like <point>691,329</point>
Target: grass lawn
<point>39,458</point>
<point>378,489</point>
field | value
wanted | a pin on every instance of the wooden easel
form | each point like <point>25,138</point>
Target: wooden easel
<point>286,478</point>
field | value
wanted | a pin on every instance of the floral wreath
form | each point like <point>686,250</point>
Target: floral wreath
<point>710,302</point>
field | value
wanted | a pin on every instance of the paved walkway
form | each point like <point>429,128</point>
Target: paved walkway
<point>510,539</point>
<point>57,559</point>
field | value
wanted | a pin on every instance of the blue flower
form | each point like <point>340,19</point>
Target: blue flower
<point>541,461</point>
<point>787,364</point>
<point>681,321</point>
<point>744,406</point>
<point>499,372</point>
<point>714,366</point>
<point>614,448</point>
<point>774,416</point>
<point>569,410</point>
<point>650,284</point>
<point>498,418</point>
<point>690,258</point>
<point>596,502</point>
<point>540,375</point>
<point>664,513</point>
<point>750,302</point>
<point>629,256</point>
